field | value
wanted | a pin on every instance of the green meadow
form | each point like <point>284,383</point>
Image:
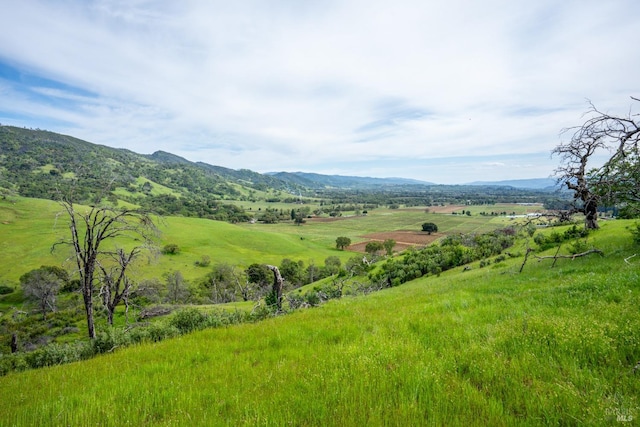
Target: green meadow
<point>30,227</point>
<point>553,345</point>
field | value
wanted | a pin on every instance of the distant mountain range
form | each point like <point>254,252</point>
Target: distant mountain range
<point>531,184</point>
<point>317,181</point>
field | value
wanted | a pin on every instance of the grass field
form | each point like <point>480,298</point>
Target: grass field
<point>29,228</point>
<point>489,346</point>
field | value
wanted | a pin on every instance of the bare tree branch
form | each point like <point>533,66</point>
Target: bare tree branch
<point>573,256</point>
<point>618,179</point>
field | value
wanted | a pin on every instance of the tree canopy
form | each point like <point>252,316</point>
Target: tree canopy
<point>342,242</point>
<point>430,227</point>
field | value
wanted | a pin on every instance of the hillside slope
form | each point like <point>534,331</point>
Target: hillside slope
<point>29,227</point>
<point>38,163</point>
<point>487,346</point>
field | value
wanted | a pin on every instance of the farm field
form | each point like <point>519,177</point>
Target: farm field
<point>488,346</point>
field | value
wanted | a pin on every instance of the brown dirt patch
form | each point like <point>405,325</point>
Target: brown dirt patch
<point>404,239</point>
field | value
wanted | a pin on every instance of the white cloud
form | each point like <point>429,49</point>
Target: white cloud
<point>303,85</point>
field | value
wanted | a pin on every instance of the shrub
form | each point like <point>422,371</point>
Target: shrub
<point>12,362</point>
<point>110,339</point>
<point>225,317</point>
<point>153,332</point>
<point>578,246</point>
<point>57,354</point>
<point>170,249</point>
<point>4,290</point>
<point>188,319</point>
<point>295,301</point>
<point>159,332</point>
<point>271,299</point>
<point>205,261</point>
<point>312,298</point>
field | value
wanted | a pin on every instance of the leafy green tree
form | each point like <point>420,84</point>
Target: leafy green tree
<point>342,242</point>
<point>293,272</point>
<point>42,286</point>
<point>373,247</point>
<point>258,274</point>
<point>388,245</point>
<point>430,227</point>
<point>332,265</point>
<point>357,266</point>
<point>222,283</point>
<point>313,272</point>
<point>299,216</point>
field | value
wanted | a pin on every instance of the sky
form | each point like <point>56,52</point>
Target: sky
<point>448,91</point>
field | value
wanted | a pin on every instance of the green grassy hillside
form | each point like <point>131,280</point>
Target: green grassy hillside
<point>29,228</point>
<point>489,346</point>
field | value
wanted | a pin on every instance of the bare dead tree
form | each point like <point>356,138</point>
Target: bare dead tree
<point>573,172</point>
<point>91,228</point>
<point>278,284</point>
<point>618,179</point>
<point>244,287</point>
<point>116,286</point>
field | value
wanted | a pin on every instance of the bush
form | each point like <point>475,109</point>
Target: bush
<point>170,249</point>
<point>578,246</point>
<point>205,261</point>
<point>188,319</point>
<point>12,363</point>
<point>4,290</point>
<point>109,340</point>
<point>271,299</point>
<point>58,354</point>
<point>153,332</point>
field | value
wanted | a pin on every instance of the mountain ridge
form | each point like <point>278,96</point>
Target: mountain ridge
<point>531,183</point>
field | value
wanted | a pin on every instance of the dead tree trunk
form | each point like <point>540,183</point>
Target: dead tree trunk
<point>526,256</point>
<point>278,284</point>
<point>572,257</point>
<point>14,343</point>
